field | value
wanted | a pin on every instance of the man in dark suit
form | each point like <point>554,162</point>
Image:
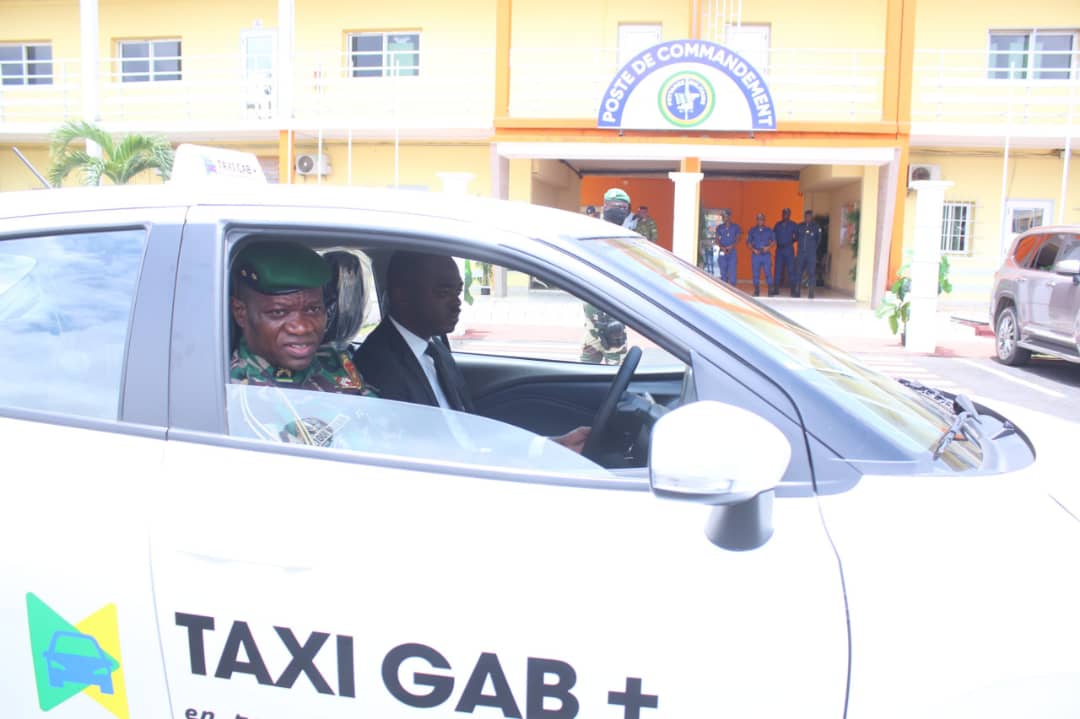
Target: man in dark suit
<point>405,357</point>
<point>405,352</point>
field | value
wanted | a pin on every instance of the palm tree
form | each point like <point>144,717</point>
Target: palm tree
<point>119,161</point>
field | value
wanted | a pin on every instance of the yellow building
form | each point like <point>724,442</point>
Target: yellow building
<point>507,98</point>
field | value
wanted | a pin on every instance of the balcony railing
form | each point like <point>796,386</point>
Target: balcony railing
<point>956,91</point>
<point>452,89</point>
<point>953,92</point>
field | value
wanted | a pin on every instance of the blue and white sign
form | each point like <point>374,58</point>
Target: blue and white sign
<point>684,84</point>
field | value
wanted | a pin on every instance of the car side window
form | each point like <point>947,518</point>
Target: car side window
<point>65,305</point>
<point>1047,256</point>
<point>1071,250</point>
<point>508,313</point>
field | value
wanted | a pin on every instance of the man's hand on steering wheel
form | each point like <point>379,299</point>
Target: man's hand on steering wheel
<point>601,426</point>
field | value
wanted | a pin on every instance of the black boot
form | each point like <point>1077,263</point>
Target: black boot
<point>757,292</point>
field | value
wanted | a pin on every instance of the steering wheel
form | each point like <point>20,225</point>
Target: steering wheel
<point>602,422</point>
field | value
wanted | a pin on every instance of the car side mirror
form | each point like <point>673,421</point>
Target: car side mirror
<point>715,453</point>
<point>1068,267</point>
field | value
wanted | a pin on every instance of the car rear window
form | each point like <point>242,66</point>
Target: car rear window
<point>65,304</point>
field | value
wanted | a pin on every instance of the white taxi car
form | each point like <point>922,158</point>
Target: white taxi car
<point>768,529</point>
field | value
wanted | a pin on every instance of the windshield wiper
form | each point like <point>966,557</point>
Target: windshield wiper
<point>966,422</point>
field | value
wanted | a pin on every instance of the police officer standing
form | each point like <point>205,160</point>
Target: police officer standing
<point>727,235</point>
<point>808,234</point>
<point>784,268</point>
<point>760,239</point>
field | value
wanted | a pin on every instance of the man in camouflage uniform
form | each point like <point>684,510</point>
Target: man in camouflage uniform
<point>605,336</point>
<point>646,225</point>
<point>605,341</point>
<point>276,299</point>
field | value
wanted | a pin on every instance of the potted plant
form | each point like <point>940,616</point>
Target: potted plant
<point>896,307</point>
<point>480,272</point>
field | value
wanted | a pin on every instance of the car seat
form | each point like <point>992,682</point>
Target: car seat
<point>344,297</point>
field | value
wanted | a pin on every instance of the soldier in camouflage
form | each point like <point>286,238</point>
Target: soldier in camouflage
<point>646,225</point>
<point>605,342</point>
<point>276,299</point>
<point>605,336</point>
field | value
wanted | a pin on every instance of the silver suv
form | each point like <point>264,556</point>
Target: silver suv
<point>1036,301</point>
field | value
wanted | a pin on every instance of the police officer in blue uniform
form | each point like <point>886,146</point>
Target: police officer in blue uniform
<point>727,235</point>
<point>784,267</point>
<point>760,239</point>
<point>808,234</point>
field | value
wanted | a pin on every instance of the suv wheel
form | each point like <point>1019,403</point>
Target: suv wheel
<point>1007,336</point>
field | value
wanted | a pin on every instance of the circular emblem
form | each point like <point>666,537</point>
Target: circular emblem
<point>686,99</point>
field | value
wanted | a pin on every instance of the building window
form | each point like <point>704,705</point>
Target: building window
<point>378,54</point>
<point>956,224</point>
<point>149,60</point>
<point>26,64</point>
<point>1036,54</point>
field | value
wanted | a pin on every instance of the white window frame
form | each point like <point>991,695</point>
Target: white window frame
<point>151,74</point>
<point>753,41</point>
<point>957,227</point>
<point>1030,56</point>
<point>635,37</point>
<point>387,67</point>
<point>25,61</point>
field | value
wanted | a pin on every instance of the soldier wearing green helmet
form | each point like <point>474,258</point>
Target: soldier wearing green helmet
<point>616,206</point>
<point>276,299</point>
<point>605,336</point>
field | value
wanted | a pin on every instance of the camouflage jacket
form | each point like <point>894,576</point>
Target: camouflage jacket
<point>329,371</point>
<point>605,337</point>
<point>647,229</point>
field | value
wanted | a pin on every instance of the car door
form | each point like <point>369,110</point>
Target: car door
<point>447,561</point>
<point>1037,283</point>
<point>84,322</point>
<point>1065,297</point>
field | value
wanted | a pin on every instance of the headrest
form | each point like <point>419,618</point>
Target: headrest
<point>344,297</point>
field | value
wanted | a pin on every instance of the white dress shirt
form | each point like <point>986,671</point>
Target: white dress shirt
<point>419,346</point>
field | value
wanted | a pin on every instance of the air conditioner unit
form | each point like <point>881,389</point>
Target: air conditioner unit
<point>923,172</point>
<point>312,165</point>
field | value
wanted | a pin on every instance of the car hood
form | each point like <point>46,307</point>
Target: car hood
<point>1055,454</point>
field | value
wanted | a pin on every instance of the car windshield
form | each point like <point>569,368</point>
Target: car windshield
<point>876,400</point>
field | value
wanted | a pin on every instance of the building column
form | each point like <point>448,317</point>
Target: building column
<point>926,255</point>
<point>91,80</point>
<point>868,222</point>
<point>684,222</point>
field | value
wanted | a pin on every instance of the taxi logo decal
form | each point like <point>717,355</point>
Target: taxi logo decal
<point>81,658</point>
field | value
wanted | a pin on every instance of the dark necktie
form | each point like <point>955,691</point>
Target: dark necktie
<point>445,374</point>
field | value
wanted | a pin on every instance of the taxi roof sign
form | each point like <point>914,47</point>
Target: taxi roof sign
<point>201,163</point>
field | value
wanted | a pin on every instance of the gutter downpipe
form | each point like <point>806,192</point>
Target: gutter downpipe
<point>1005,170</point>
<point>1065,157</point>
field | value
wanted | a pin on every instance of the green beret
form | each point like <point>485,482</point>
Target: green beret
<point>616,195</point>
<point>278,268</point>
